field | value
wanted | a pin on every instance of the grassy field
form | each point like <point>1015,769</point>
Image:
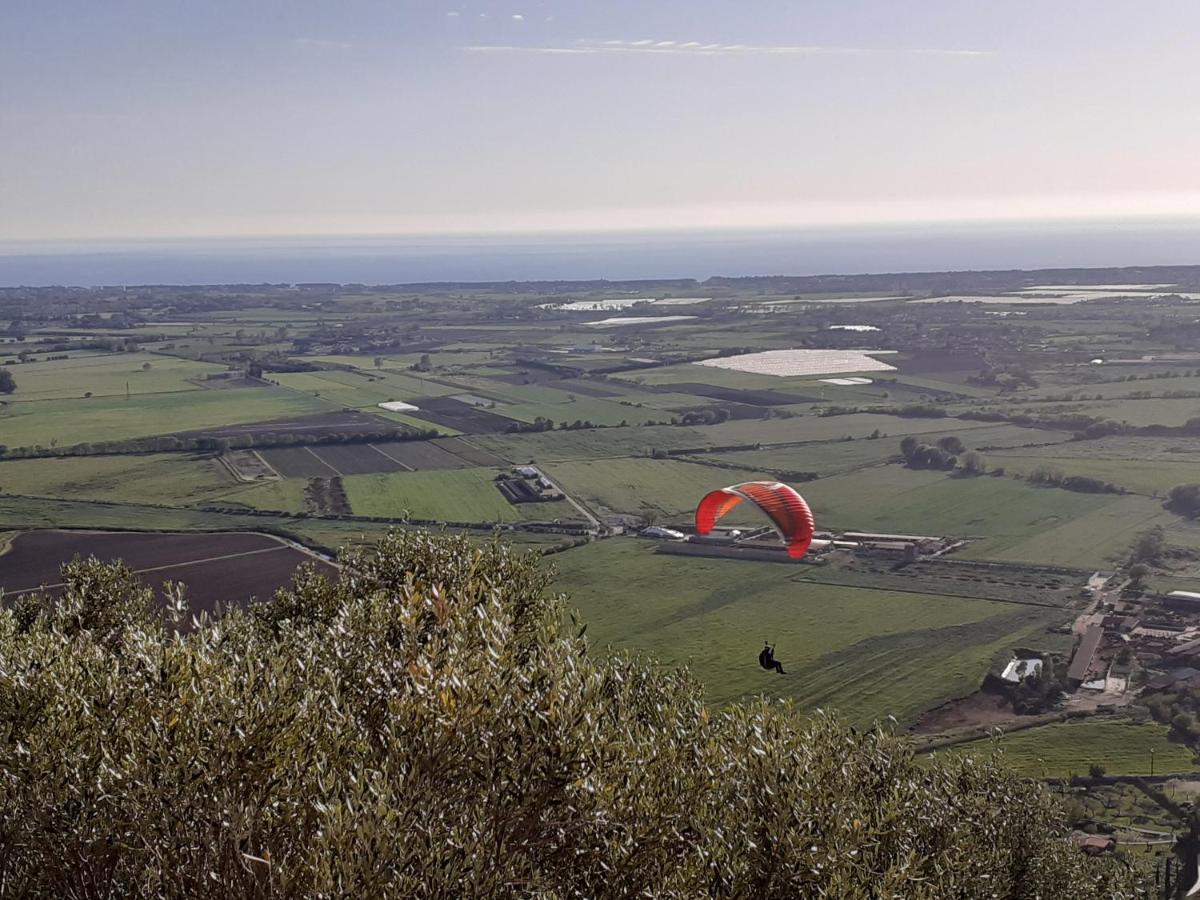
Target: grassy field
<point>1147,412</point>
<point>107,375</point>
<point>172,478</point>
<point>846,456</point>
<point>459,495</point>
<point>362,390</point>
<point>286,495</point>
<point>1010,519</point>
<point>1069,748</point>
<point>833,428</point>
<point>635,486</point>
<point>67,422</point>
<point>549,446</point>
<point>1099,537</point>
<point>867,653</point>
<point>1143,476</point>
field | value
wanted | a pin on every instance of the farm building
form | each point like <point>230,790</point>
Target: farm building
<point>1081,662</point>
<point>666,534</point>
<point>1174,678</point>
<point>1187,599</point>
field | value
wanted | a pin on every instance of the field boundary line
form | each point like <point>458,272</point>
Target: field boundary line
<point>403,465</point>
<point>264,462</point>
<point>798,579</point>
<point>178,565</point>
<point>323,462</point>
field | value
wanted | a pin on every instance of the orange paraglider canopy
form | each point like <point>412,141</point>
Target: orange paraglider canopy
<point>783,506</point>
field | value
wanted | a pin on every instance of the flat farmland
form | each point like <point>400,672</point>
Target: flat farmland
<point>1100,536</point>
<point>461,495</point>
<point>458,415</point>
<point>107,375</point>
<point>220,569</point>
<point>1125,447</point>
<point>357,459</point>
<point>636,486</point>
<point>1009,520</point>
<point>297,462</point>
<point>1064,749</point>
<point>869,653</point>
<point>360,388</point>
<point>1144,476</point>
<point>845,456</point>
<point>465,449</point>
<point>832,428</point>
<point>172,478</point>
<point>322,423</point>
<point>416,455</point>
<point>68,422</point>
<point>1167,411</point>
<point>589,444</point>
<point>586,409</point>
<point>326,460</point>
<point>753,397</point>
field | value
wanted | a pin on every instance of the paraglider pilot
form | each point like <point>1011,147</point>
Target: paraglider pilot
<point>767,659</point>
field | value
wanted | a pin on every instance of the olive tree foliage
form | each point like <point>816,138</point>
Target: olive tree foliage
<point>435,725</point>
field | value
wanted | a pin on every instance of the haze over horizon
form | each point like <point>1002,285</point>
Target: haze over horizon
<point>134,119</point>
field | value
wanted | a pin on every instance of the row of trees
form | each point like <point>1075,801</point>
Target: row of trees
<point>1051,476</point>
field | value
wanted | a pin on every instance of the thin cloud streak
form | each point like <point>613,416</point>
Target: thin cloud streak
<point>696,48</point>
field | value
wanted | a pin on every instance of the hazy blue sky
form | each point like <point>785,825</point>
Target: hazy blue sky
<point>227,117</point>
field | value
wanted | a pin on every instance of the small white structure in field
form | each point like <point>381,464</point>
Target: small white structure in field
<point>1019,669</point>
<point>397,406</point>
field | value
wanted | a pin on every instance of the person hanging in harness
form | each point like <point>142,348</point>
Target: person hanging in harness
<point>767,659</point>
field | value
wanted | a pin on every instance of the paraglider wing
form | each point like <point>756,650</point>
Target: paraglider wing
<point>783,506</point>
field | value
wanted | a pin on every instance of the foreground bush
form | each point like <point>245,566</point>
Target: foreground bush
<point>432,726</point>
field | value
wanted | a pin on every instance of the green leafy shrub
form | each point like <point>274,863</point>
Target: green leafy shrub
<point>433,725</point>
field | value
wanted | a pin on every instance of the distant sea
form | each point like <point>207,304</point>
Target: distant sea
<point>612,256</point>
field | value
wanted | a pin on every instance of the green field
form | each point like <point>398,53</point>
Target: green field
<point>1009,519</point>
<point>286,495</point>
<point>361,389</point>
<point>108,375</point>
<point>868,653</point>
<point>65,422</point>
<point>636,486</point>
<point>846,456</point>
<point>170,478</point>
<point>1143,476</point>
<point>1069,748</point>
<point>456,495</point>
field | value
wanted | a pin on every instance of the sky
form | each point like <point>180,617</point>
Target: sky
<point>124,119</point>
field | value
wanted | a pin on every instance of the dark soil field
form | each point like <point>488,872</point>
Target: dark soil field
<point>357,459</point>
<point>219,569</point>
<point>476,456</point>
<point>297,462</point>
<point>423,455</point>
<point>327,460</point>
<point>458,415</point>
<point>732,395</point>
